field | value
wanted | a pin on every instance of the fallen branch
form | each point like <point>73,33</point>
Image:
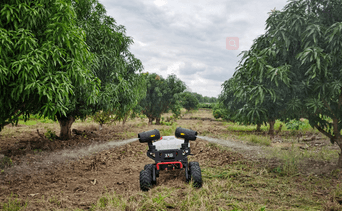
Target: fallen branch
<point>42,136</point>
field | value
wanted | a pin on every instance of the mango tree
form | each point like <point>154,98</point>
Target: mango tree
<point>307,34</point>
<point>265,101</point>
<point>248,98</point>
<point>114,66</point>
<point>189,101</point>
<point>162,95</point>
<point>129,96</point>
<point>232,108</point>
<point>43,58</point>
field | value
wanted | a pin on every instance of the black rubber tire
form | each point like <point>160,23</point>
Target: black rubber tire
<point>145,180</point>
<point>148,166</point>
<point>187,180</point>
<point>194,163</point>
<point>196,175</point>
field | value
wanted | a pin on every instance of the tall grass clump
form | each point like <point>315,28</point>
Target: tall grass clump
<point>261,140</point>
<point>290,160</point>
<point>168,130</point>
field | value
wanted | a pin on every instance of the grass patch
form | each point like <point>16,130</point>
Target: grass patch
<point>13,204</point>
<point>304,127</point>
<point>239,186</point>
<point>235,127</point>
<point>142,124</point>
<point>35,121</point>
<point>28,122</point>
<point>128,135</point>
<point>260,140</point>
<point>294,155</point>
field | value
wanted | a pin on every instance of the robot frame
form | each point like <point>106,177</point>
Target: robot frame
<point>175,158</point>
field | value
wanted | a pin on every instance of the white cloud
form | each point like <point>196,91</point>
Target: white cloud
<point>141,44</point>
<point>160,3</point>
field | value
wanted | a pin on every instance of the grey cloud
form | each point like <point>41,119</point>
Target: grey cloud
<point>190,33</point>
<point>189,69</point>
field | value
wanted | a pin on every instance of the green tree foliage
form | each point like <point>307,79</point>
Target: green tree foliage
<point>189,101</point>
<point>303,65</point>
<point>205,99</point>
<point>43,57</point>
<point>121,88</point>
<point>198,96</point>
<point>262,101</point>
<point>129,96</point>
<point>162,95</point>
<point>312,46</point>
<point>213,100</point>
<point>238,108</point>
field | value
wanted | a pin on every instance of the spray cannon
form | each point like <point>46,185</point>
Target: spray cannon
<point>149,136</point>
<point>187,134</point>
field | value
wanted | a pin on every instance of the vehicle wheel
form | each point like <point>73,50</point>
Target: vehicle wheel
<point>194,163</point>
<point>145,180</point>
<point>148,166</point>
<point>187,179</point>
<point>195,172</point>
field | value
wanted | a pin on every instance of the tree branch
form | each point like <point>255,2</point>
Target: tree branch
<point>329,108</point>
<point>7,123</point>
<point>4,124</point>
<point>335,125</point>
<point>340,100</point>
<point>323,131</point>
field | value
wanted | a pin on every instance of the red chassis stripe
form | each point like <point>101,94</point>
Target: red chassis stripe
<point>174,162</point>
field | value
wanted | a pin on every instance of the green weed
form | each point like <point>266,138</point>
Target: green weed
<point>54,200</point>
<point>13,205</point>
<point>50,134</point>
<point>110,201</point>
<point>5,162</point>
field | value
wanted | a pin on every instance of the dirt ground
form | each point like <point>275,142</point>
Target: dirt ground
<point>78,183</point>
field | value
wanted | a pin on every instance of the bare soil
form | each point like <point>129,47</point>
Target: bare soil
<point>75,173</point>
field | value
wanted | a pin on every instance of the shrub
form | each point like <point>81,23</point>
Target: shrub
<point>294,124</point>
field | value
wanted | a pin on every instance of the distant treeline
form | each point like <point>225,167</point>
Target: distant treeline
<point>204,99</point>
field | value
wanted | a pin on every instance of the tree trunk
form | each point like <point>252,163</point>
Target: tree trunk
<point>339,164</point>
<point>124,120</point>
<point>150,120</point>
<point>279,129</point>
<point>271,130</point>
<point>65,124</point>
<point>258,127</point>
<point>338,140</point>
<point>158,121</point>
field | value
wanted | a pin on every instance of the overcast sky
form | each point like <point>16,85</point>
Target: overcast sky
<point>188,38</point>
